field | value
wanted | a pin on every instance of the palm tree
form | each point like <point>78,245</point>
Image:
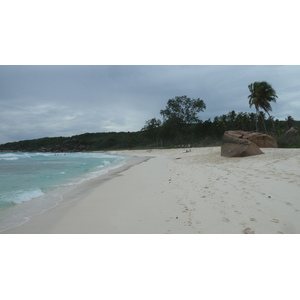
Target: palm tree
<point>261,95</point>
<point>289,121</point>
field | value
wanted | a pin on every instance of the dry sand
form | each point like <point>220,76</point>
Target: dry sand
<point>171,191</point>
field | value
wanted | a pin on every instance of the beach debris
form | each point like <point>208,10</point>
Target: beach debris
<point>242,143</point>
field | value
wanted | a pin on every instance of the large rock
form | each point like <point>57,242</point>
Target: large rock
<point>292,131</point>
<point>242,143</point>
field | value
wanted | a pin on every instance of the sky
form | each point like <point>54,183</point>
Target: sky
<point>39,101</point>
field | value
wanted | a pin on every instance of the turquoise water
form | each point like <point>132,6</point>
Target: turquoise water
<point>31,182</point>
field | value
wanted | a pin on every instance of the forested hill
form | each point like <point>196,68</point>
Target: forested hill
<point>79,143</point>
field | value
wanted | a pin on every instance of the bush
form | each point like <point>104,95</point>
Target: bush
<point>289,141</point>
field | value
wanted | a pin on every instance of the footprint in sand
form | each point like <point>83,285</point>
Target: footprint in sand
<point>274,220</point>
<point>225,220</point>
<point>288,203</point>
<point>252,219</point>
<point>248,231</point>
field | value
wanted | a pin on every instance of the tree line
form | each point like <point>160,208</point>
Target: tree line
<point>210,132</point>
<point>181,124</point>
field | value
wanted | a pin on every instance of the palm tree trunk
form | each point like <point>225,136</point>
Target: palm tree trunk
<point>256,120</point>
<point>274,130</point>
<point>262,119</point>
<point>263,123</point>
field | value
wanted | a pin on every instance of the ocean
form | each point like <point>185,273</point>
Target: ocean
<point>31,183</point>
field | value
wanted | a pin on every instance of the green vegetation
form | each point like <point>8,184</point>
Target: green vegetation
<point>181,113</point>
<point>181,126</point>
<point>156,134</point>
<point>261,95</point>
<point>82,142</point>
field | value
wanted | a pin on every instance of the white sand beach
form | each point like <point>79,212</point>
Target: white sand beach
<point>176,192</point>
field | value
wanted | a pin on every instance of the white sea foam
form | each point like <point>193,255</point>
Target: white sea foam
<point>9,158</point>
<point>23,196</point>
<point>20,155</point>
<point>19,196</point>
<point>101,170</point>
<point>13,156</point>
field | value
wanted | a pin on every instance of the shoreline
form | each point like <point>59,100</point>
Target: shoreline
<point>69,197</point>
<point>173,191</point>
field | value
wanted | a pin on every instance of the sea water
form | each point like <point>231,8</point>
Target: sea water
<point>31,183</point>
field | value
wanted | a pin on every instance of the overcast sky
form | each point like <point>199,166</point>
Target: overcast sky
<point>40,101</point>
